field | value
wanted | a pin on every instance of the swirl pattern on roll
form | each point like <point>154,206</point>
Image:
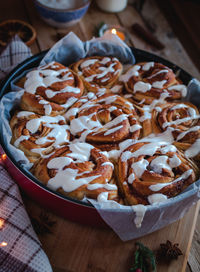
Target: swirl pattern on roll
<point>146,81</point>
<point>184,120</point>
<point>104,120</point>
<point>51,89</point>
<point>36,135</point>
<point>78,170</point>
<point>98,72</point>
<point>139,145</point>
<point>149,168</point>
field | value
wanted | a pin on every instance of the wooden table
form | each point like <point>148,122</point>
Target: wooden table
<point>76,248</point>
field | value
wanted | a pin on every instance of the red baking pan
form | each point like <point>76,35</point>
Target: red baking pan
<point>64,206</point>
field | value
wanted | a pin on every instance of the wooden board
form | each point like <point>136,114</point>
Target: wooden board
<point>73,247</point>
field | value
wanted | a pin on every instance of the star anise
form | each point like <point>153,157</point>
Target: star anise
<point>168,251</point>
<point>42,224</point>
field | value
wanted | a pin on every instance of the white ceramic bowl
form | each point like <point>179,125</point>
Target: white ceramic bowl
<point>62,13</point>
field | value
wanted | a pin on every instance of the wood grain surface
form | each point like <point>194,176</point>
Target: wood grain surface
<point>73,247</point>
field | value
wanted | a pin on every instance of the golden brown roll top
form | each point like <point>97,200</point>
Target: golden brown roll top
<point>98,72</point>
<point>146,81</point>
<point>51,89</point>
<point>149,170</point>
<point>184,121</point>
<point>37,135</point>
<point>78,170</point>
<point>103,121</point>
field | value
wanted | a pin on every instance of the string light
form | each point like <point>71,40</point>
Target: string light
<point>3,244</point>
<point>114,31</point>
<point>3,156</point>
<point>1,223</point>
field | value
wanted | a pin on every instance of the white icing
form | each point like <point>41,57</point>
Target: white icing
<point>145,116</point>
<point>112,130</point>
<point>116,88</point>
<point>168,148</point>
<point>193,150</point>
<point>47,109</point>
<point>102,197</point>
<point>179,106</point>
<point>69,102</point>
<point>141,86</point>
<point>68,89</point>
<point>148,149</point>
<point>131,178</point>
<point>147,66</point>
<point>114,154</point>
<point>159,84</point>
<point>159,186</point>
<point>83,122</point>
<point>179,121</point>
<point>20,139</point>
<point>108,163</point>
<point>91,95</point>
<point>192,129</point>
<point>80,151</point>
<point>45,78</point>
<point>160,163</point>
<point>159,72</point>
<point>134,128</point>
<point>105,60</point>
<point>24,114</point>
<point>174,161</point>
<point>131,72</point>
<point>33,124</point>
<point>102,71</point>
<point>71,112</point>
<point>140,213</point>
<point>179,87</point>
<point>106,186</point>
<point>68,181</point>
<point>157,198</point>
<point>59,163</point>
<point>158,109</point>
<point>139,167</point>
<point>87,63</point>
<point>155,102</point>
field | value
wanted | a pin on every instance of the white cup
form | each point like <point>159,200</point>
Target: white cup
<point>112,5</point>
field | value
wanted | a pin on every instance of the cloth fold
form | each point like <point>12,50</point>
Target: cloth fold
<point>20,249</point>
<point>15,52</point>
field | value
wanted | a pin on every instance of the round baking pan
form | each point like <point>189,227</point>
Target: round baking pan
<point>64,206</point>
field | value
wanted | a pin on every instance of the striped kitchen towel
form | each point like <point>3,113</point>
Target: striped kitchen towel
<point>14,53</point>
<point>20,249</point>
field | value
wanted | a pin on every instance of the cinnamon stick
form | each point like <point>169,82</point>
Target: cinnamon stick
<point>147,36</point>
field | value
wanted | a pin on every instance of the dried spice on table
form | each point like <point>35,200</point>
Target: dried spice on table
<point>42,223</point>
<point>168,252</point>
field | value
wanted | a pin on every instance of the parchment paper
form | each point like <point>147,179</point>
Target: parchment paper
<point>120,218</point>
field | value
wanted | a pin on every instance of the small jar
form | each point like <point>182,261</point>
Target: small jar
<point>112,5</point>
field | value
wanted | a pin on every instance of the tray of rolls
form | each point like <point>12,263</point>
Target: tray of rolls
<point>96,129</point>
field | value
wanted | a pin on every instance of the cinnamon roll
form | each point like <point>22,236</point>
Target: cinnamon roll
<point>103,121</point>
<point>146,81</point>
<point>149,168</point>
<point>78,170</point>
<point>98,72</point>
<point>36,135</point>
<point>179,116</point>
<point>51,89</point>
